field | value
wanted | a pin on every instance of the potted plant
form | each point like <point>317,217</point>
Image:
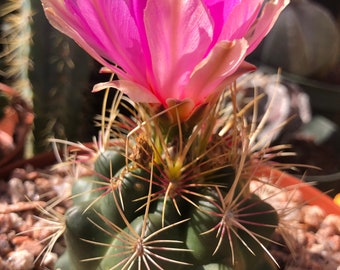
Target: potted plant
<point>169,186</point>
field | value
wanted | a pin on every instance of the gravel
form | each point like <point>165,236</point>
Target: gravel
<point>28,217</point>
<point>307,238</point>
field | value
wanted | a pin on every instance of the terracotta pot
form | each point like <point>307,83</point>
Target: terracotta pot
<point>40,160</point>
<point>9,121</point>
<point>14,126</point>
<point>8,124</point>
<point>311,195</point>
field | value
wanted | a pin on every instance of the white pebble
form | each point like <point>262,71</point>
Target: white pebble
<point>21,260</point>
<point>50,259</point>
<point>313,215</point>
<point>331,221</point>
<point>17,190</point>
<point>16,220</point>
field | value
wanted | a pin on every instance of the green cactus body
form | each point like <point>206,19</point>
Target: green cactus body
<point>93,198</point>
<point>82,224</point>
<point>106,224</point>
<point>129,190</point>
<point>86,188</point>
<point>202,220</point>
<point>170,211</point>
<point>109,162</point>
<point>259,218</point>
<point>222,176</point>
<point>138,247</point>
<point>90,187</point>
<point>63,263</point>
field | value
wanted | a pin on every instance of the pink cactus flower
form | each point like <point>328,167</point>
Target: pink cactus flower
<point>167,51</point>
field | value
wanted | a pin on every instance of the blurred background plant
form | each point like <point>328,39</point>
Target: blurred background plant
<point>305,44</point>
<point>39,63</point>
<point>16,106</point>
<point>16,43</point>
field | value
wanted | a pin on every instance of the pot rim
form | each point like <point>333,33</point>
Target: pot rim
<point>311,195</point>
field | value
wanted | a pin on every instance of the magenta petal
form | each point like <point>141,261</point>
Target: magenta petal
<point>110,27</point>
<point>179,34</point>
<point>109,39</point>
<point>136,92</point>
<point>240,19</point>
<point>223,60</point>
<point>219,11</point>
<point>64,21</point>
<point>264,23</point>
<point>167,49</point>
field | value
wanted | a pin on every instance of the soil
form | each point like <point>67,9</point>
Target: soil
<point>308,239</point>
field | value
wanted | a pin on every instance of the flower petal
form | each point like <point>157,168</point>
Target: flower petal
<point>136,92</point>
<point>219,10</point>
<point>62,19</point>
<point>223,60</point>
<point>109,39</point>
<point>179,34</point>
<point>240,19</point>
<point>265,22</point>
<point>170,49</point>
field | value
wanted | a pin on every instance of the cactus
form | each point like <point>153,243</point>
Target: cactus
<point>169,184</point>
<point>15,45</point>
<point>36,60</point>
<point>15,39</point>
<point>54,59</point>
<point>159,199</point>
